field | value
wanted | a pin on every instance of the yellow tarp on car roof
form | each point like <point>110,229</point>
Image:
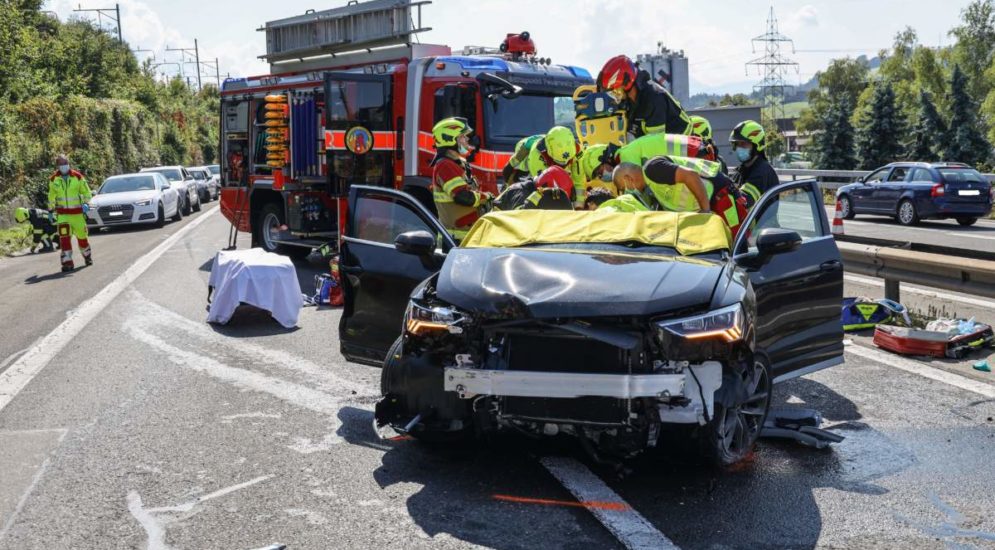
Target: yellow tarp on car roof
<point>688,233</point>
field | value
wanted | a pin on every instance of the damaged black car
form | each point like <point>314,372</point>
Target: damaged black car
<point>625,330</point>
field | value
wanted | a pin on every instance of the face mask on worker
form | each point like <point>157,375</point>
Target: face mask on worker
<point>606,176</point>
<point>743,154</point>
<point>64,169</point>
<point>463,145</point>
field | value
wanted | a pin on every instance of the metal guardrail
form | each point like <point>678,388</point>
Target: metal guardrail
<point>849,175</point>
<point>970,272</point>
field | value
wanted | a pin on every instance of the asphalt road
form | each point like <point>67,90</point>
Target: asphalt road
<point>980,236</point>
<point>152,429</point>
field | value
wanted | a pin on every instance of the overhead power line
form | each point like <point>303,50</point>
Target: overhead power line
<point>114,14</point>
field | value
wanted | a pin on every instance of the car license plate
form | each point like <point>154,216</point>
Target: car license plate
<point>969,193</point>
<point>115,213</point>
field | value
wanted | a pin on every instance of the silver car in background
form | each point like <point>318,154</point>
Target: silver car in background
<point>134,199</point>
<point>185,185</point>
<point>208,185</point>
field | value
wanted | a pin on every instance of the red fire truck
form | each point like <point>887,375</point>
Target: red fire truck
<point>351,100</point>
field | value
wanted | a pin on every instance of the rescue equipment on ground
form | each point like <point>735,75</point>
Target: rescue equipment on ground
<point>801,425</point>
<point>933,343</point>
<point>863,313</point>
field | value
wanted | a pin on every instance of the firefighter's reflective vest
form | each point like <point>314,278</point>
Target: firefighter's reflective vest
<point>678,198</point>
<point>642,149</point>
<point>447,181</point>
<point>67,194</point>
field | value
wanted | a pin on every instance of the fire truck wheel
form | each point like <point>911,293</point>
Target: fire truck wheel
<point>267,232</point>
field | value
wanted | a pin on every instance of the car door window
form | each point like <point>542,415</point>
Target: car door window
<point>877,177</point>
<point>796,209</point>
<point>921,174</point>
<point>381,219</point>
<point>898,174</point>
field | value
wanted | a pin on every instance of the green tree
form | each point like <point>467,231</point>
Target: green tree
<point>965,141</point>
<point>975,42</point>
<point>833,146</point>
<point>929,132</point>
<point>843,78</point>
<point>881,131</point>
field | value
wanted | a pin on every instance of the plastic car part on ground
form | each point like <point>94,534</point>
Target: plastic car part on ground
<point>863,313</point>
<point>255,277</point>
<point>911,341</point>
<point>801,425</point>
<point>986,365</point>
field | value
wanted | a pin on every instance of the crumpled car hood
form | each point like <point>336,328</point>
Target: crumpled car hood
<point>547,284</point>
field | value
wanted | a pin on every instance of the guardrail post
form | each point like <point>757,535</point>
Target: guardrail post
<point>891,289</point>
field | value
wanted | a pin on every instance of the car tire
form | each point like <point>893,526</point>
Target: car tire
<point>735,427</point>
<point>967,222</point>
<point>186,206</point>
<point>196,207</point>
<point>160,216</point>
<point>179,212</point>
<point>907,214</point>
<point>389,363</point>
<point>846,207</point>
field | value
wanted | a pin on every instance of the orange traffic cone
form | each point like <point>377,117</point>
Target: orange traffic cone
<point>838,220</point>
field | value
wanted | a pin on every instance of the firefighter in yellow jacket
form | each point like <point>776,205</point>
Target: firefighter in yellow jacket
<point>68,195</point>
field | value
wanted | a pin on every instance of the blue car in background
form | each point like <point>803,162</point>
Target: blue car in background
<point>913,191</point>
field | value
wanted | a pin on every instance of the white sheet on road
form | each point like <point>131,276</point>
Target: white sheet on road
<point>256,277</point>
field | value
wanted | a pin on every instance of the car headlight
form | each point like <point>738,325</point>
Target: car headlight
<point>422,319</point>
<point>145,202</point>
<point>724,324</point>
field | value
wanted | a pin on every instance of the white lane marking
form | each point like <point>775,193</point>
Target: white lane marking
<point>22,371</point>
<point>155,528</point>
<point>922,369</point>
<point>24,499</point>
<point>971,235</point>
<point>154,531</point>
<point>923,292</point>
<point>629,526</point>
<point>11,357</point>
<point>295,394</point>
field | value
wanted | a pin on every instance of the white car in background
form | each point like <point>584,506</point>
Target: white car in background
<point>185,185</point>
<point>144,198</point>
<point>208,185</point>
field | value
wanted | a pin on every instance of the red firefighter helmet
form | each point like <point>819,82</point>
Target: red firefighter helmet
<point>555,176</point>
<point>618,72</point>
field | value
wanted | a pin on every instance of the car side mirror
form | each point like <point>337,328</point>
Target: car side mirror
<point>861,180</point>
<point>416,243</point>
<point>772,241</point>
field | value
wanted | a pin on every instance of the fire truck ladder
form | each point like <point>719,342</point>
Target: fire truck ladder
<point>356,26</point>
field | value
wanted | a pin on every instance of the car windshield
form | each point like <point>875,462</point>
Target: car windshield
<point>961,175</point>
<point>127,183</point>
<point>172,174</point>
<point>214,169</point>
<point>198,174</point>
<point>509,120</point>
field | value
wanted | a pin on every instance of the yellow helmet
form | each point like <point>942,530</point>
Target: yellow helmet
<point>561,146</point>
<point>591,159</point>
<point>448,130</point>
<point>21,215</point>
<point>700,127</point>
<point>751,131</point>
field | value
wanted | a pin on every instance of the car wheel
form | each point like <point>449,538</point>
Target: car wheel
<point>196,207</point>
<point>179,212</point>
<point>907,214</point>
<point>186,206</point>
<point>741,406</point>
<point>160,216</point>
<point>966,221</point>
<point>846,207</point>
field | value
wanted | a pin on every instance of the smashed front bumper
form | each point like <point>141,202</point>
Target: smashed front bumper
<point>682,399</point>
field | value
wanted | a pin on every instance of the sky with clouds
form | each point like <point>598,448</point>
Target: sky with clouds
<point>715,35</point>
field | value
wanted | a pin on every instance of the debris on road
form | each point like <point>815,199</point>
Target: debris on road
<point>934,343</point>
<point>801,425</point>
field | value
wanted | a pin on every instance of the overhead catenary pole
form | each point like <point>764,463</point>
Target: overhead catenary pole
<point>217,72</point>
<point>773,66</point>
<point>113,14</point>
<point>196,53</point>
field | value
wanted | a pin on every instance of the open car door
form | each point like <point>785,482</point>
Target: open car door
<point>377,278</point>
<point>798,292</point>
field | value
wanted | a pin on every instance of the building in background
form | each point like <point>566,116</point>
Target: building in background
<point>723,120</point>
<point>669,68</point>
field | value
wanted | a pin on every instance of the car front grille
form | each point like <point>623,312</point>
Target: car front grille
<point>126,212</point>
<point>564,353</point>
